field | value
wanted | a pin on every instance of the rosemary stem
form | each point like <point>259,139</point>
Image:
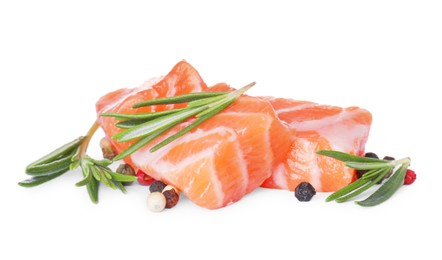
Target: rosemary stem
<point>405,160</point>
<point>86,141</point>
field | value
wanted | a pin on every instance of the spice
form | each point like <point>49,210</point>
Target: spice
<point>156,202</point>
<point>143,178</point>
<point>304,191</point>
<point>377,169</point>
<point>387,158</point>
<point>126,169</point>
<point>157,186</point>
<point>172,196</point>
<point>107,150</point>
<point>410,177</point>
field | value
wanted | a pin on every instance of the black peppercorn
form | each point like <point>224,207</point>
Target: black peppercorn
<point>126,169</point>
<point>371,155</point>
<point>157,186</point>
<point>305,191</point>
<point>387,158</point>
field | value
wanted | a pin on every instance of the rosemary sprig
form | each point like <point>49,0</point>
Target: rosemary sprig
<point>377,170</point>
<point>73,155</point>
<point>145,127</point>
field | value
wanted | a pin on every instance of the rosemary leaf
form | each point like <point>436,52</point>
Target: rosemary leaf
<point>95,173</point>
<point>345,157</point>
<point>373,173</point>
<point>380,176</point>
<point>150,115</point>
<point>157,124</point>
<point>57,153</point>
<point>130,123</point>
<point>205,101</point>
<point>92,189</point>
<point>86,179</point>
<point>120,186</point>
<point>178,99</point>
<point>347,189</point>
<point>122,178</point>
<point>37,180</point>
<point>387,189</point>
<point>369,165</point>
<point>49,167</point>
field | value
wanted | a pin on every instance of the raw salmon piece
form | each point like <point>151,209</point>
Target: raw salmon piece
<point>182,79</point>
<point>216,163</point>
<point>219,162</point>
<point>319,127</point>
<point>278,136</point>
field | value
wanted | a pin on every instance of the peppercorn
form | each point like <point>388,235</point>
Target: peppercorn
<point>143,178</point>
<point>126,169</point>
<point>157,186</point>
<point>410,177</point>
<point>304,191</point>
<point>106,149</point>
<point>172,196</point>
<point>359,173</point>
<point>387,158</point>
<point>156,201</point>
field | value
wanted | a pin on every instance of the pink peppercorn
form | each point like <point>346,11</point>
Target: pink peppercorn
<point>410,177</point>
<point>143,178</point>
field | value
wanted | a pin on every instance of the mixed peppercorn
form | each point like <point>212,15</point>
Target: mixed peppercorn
<point>410,176</point>
<point>304,191</point>
<point>126,169</point>
<point>162,196</point>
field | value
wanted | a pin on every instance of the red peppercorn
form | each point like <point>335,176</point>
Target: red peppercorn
<point>143,178</point>
<point>410,177</point>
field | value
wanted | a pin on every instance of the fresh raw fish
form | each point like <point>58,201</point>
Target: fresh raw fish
<point>316,127</point>
<point>319,127</point>
<point>257,141</point>
<point>221,160</point>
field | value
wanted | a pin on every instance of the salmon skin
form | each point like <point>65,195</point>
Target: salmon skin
<point>254,142</point>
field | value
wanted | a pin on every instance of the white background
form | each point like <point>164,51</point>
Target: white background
<point>58,57</point>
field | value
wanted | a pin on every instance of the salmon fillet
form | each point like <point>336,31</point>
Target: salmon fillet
<point>268,142</point>
<point>218,162</point>
<point>318,127</point>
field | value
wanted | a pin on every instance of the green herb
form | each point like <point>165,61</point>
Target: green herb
<point>56,161</point>
<point>180,99</point>
<point>377,170</point>
<point>98,170</point>
<point>388,189</point>
<point>73,155</point>
<point>37,180</point>
<point>145,127</point>
<point>52,165</point>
